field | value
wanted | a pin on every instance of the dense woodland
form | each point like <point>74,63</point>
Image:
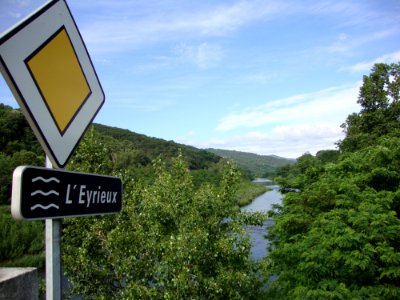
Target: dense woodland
<point>181,234</point>
<point>126,150</point>
<point>337,232</point>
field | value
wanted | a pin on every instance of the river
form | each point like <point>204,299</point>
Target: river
<point>262,203</point>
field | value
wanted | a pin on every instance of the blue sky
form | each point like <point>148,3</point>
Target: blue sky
<point>268,77</point>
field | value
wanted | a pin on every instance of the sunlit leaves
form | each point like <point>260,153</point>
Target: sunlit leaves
<point>171,240</point>
<point>337,236</point>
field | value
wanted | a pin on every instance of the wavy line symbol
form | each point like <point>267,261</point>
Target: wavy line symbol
<point>44,207</point>
<point>46,180</point>
<point>51,192</point>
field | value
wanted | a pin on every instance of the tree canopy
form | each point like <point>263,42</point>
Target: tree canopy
<point>171,240</point>
<point>380,109</point>
<point>181,234</point>
<point>337,232</point>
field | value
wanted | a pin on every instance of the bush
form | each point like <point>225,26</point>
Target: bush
<point>21,243</point>
<point>171,241</point>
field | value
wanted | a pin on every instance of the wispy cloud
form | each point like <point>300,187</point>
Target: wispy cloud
<point>134,25</point>
<point>287,141</point>
<point>12,11</point>
<point>329,104</point>
<point>204,55</point>
<point>291,126</point>
<point>365,66</point>
<point>126,100</point>
<point>140,106</point>
<point>348,44</point>
<point>259,77</point>
<point>361,14</point>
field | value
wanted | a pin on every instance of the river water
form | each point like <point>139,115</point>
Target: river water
<point>262,203</point>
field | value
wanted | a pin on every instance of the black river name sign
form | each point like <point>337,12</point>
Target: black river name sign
<point>42,193</point>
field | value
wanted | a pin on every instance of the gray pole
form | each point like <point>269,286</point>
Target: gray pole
<point>53,255</point>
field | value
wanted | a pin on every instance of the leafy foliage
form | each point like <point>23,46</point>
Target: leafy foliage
<point>130,147</point>
<point>21,243</point>
<point>171,241</point>
<point>336,234</point>
<point>379,99</point>
<point>18,146</point>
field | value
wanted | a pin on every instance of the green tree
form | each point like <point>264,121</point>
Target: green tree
<point>380,109</point>
<point>5,178</point>
<point>18,146</point>
<point>337,237</point>
<point>171,240</point>
<point>92,156</point>
<point>327,156</point>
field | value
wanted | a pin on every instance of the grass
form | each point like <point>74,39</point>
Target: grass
<point>248,191</point>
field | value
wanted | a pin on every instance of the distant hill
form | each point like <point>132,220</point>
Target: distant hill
<point>128,150</point>
<point>257,165</point>
<point>149,148</point>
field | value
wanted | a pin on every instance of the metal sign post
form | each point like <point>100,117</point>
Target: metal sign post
<point>53,259</point>
<point>51,194</point>
<point>53,255</point>
<point>47,67</point>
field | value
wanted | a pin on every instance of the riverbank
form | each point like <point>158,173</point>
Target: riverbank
<point>248,191</point>
<point>262,204</point>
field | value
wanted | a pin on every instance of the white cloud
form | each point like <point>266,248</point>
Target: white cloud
<point>203,56</point>
<point>187,138</point>
<point>348,45</point>
<point>291,126</point>
<point>226,18</point>
<point>333,104</point>
<point>366,66</point>
<point>132,24</point>
<point>285,141</point>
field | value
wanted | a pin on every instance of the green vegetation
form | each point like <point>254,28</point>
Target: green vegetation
<point>122,152</point>
<point>127,151</point>
<point>18,146</point>
<point>21,243</point>
<point>255,165</point>
<point>337,236</point>
<point>131,148</point>
<point>181,234</point>
<point>248,191</point>
<point>171,241</point>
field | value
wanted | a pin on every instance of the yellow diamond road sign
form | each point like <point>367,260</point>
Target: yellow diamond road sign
<point>59,77</point>
<point>49,71</point>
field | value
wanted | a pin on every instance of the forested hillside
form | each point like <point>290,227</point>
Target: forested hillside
<point>256,165</point>
<point>149,148</point>
<point>182,236</point>
<point>127,150</point>
<point>18,146</point>
<point>337,232</point>
<point>171,191</point>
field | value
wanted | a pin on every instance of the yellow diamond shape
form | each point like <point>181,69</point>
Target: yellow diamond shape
<point>60,79</point>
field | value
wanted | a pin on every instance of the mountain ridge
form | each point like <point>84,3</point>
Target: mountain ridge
<point>256,164</point>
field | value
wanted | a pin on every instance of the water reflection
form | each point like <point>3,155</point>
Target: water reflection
<point>262,203</point>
